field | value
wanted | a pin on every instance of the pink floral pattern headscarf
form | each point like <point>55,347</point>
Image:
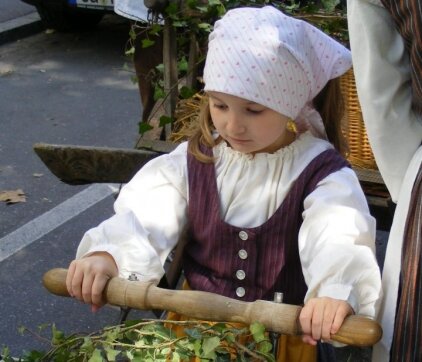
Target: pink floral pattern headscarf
<point>265,56</point>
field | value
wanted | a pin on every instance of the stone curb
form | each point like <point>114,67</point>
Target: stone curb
<point>20,27</point>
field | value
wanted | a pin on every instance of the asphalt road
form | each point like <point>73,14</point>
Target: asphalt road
<point>62,89</point>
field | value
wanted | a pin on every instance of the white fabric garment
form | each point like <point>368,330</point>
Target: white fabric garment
<point>336,240</point>
<point>382,72</point>
<point>131,9</point>
<point>267,57</point>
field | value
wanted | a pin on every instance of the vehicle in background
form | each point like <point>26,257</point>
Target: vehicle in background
<point>68,15</point>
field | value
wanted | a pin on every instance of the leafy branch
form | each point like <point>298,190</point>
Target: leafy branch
<point>156,340</point>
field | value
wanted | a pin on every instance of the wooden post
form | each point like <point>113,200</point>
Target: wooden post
<point>170,73</point>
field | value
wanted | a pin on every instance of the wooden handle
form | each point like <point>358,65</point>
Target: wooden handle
<point>281,318</point>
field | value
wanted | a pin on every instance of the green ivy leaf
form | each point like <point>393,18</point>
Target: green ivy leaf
<point>130,51</point>
<point>171,10</point>
<point>330,5</point>
<point>160,68</point>
<point>58,336</point>
<point>111,354</point>
<point>197,344</point>
<point>175,357</point>
<point>32,356</point>
<point>159,93</point>
<point>265,347</point>
<point>96,356</point>
<point>113,334</point>
<point>132,33</point>
<point>205,26</point>
<point>268,356</point>
<point>182,65</point>
<point>180,23</point>
<point>155,29</point>
<point>21,330</point>
<point>5,354</point>
<point>146,43</point>
<point>87,346</point>
<point>209,345</point>
<point>186,92</point>
<point>165,120</point>
<point>143,127</point>
<point>258,331</point>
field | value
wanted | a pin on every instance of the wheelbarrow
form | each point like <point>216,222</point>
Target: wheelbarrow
<point>357,330</point>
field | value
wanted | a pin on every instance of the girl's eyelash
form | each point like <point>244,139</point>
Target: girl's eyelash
<point>255,111</point>
<point>220,106</point>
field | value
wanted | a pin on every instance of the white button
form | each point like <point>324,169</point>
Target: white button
<point>240,292</point>
<point>243,235</point>
<point>243,254</point>
<point>240,274</point>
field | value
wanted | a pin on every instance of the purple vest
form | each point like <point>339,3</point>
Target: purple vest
<point>248,263</point>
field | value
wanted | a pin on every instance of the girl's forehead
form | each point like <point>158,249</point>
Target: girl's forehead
<point>228,97</point>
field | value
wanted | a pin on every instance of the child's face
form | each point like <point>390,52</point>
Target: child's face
<point>246,126</point>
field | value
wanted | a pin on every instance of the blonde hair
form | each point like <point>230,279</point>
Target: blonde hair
<point>202,133</point>
<point>329,103</point>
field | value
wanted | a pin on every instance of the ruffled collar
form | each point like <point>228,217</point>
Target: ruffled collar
<point>224,150</point>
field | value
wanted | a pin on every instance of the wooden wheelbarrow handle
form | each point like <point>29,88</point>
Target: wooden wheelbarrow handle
<point>281,318</point>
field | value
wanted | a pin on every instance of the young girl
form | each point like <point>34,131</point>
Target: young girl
<point>271,206</point>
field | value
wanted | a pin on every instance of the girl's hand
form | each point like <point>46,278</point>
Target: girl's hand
<point>322,317</point>
<point>87,277</point>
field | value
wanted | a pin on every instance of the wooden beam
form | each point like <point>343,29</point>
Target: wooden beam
<point>78,165</point>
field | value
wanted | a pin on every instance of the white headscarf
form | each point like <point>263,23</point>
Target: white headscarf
<point>264,56</point>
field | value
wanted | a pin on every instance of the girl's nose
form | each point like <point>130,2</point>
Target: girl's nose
<point>235,124</point>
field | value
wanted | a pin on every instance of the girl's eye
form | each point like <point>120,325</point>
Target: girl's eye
<point>254,111</point>
<point>220,106</point>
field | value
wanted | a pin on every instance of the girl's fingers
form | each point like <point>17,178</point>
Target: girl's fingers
<point>69,278</point>
<point>341,313</point>
<point>86,289</point>
<point>95,308</point>
<point>76,283</point>
<point>98,286</point>
<point>329,315</point>
<point>305,318</point>
<point>317,321</point>
<point>309,340</point>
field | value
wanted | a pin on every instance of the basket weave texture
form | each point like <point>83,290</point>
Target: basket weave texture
<point>360,152</point>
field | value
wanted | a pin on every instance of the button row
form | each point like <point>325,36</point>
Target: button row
<point>240,292</point>
<point>240,274</point>
<point>243,254</point>
<point>243,235</point>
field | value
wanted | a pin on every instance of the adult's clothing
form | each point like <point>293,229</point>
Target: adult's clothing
<point>383,71</point>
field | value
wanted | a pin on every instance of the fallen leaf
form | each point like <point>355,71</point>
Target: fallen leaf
<point>4,72</point>
<point>37,174</point>
<point>12,196</point>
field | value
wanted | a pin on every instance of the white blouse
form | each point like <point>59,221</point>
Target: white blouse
<point>336,239</point>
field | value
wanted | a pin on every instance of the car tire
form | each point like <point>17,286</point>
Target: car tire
<point>56,15</point>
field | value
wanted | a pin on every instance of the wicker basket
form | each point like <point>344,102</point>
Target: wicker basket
<point>360,152</point>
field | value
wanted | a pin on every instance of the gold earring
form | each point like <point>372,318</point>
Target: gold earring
<point>291,126</point>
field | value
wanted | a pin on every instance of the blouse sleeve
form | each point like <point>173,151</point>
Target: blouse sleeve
<point>150,213</point>
<point>336,244</point>
<point>382,71</point>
